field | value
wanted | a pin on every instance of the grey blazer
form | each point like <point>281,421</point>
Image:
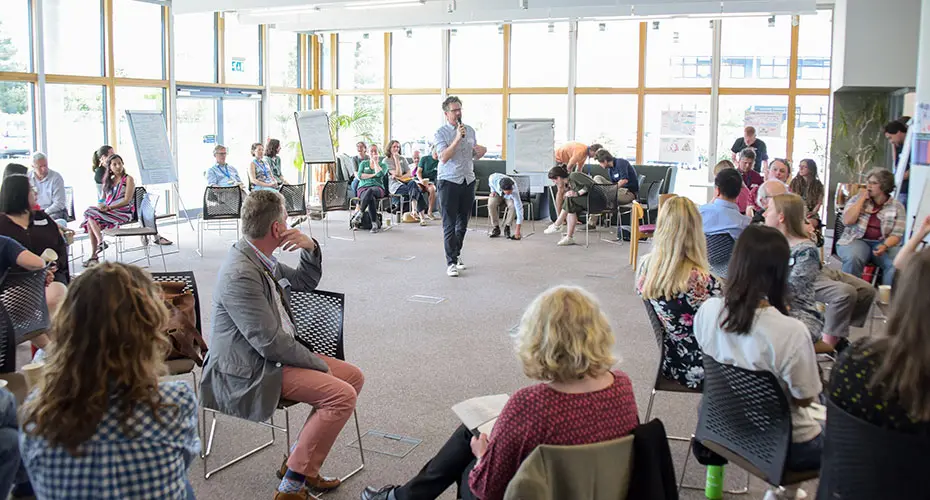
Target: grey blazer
<point>248,347</point>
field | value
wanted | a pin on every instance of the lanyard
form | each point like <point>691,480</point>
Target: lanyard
<point>225,169</point>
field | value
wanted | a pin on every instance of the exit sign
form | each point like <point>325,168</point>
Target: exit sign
<point>238,65</point>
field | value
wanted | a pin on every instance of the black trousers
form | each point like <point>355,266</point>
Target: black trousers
<point>368,200</point>
<point>455,201</point>
<point>451,465</point>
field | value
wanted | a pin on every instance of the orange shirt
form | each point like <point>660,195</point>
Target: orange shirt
<point>572,153</point>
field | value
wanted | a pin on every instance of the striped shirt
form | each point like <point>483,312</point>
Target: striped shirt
<point>892,216</point>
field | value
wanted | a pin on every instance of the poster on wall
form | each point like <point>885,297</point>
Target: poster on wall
<point>766,123</point>
<point>676,149</point>
<point>680,123</point>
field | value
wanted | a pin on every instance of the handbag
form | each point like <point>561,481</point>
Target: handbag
<point>186,340</point>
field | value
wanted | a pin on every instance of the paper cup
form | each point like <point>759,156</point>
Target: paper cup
<point>49,255</point>
<point>32,372</point>
<point>884,293</point>
<point>3,383</point>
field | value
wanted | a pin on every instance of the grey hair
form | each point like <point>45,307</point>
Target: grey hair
<point>217,148</point>
<point>884,177</point>
<point>763,192</point>
<point>260,210</point>
<point>450,101</point>
<point>38,155</point>
<point>748,153</point>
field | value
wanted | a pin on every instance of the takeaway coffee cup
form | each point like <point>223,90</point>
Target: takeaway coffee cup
<point>32,372</point>
<point>884,293</point>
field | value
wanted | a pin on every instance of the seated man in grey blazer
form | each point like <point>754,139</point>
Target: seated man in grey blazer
<point>254,359</point>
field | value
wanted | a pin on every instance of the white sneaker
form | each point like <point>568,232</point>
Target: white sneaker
<point>460,265</point>
<point>553,228</point>
<point>566,241</point>
<point>452,271</point>
<point>785,494</point>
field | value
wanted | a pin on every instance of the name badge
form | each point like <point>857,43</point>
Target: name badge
<point>284,283</point>
<point>40,222</point>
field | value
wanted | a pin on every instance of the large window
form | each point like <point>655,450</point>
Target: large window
<point>326,78</point>
<point>755,51</point>
<point>539,55</point>
<point>810,131</point>
<point>414,120</point>
<point>768,114</point>
<point>137,39</point>
<point>15,54</point>
<point>543,106</point>
<point>615,130</point>
<point>679,53</point>
<point>364,118</point>
<point>361,61</point>
<point>73,37</point>
<point>608,54</point>
<point>677,132</point>
<point>284,128</point>
<point>815,42</point>
<point>76,126</point>
<point>468,43</point>
<point>483,113</point>
<point>195,47</point>
<point>416,56</point>
<point>283,55</point>
<point>16,119</point>
<point>134,99</point>
<point>243,63</point>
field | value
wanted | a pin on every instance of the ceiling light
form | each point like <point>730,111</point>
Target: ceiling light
<point>409,33</point>
<point>383,4</point>
<point>655,25</point>
<point>602,27</point>
<point>772,22</point>
<point>551,28</point>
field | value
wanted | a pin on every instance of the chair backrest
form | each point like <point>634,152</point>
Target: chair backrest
<point>862,461</point>
<point>147,211</point>
<point>22,300</point>
<point>524,183</point>
<point>719,250</point>
<point>583,471</point>
<point>137,196</point>
<point>746,413</point>
<point>295,199</point>
<point>222,202</point>
<point>319,317</point>
<point>641,179</point>
<point>69,203</point>
<point>603,198</point>
<point>335,196</point>
<point>186,277</point>
<point>655,189</point>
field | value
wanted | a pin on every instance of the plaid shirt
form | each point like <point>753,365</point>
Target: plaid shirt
<point>151,463</point>
<point>892,216</point>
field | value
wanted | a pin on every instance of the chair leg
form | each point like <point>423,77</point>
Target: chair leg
<point>361,452</point>
<point>652,397</point>
<point>148,256</point>
<point>161,249</point>
<point>681,480</point>
<point>209,448</point>
<point>200,236</point>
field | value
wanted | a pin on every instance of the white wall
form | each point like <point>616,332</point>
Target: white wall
<point>875,43</point>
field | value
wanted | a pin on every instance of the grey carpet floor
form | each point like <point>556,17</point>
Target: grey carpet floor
<point>419,359</point>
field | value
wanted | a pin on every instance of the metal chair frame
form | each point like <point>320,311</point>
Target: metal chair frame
<point>218,222</point>
<point>295,202</point>
<point>334,197</point>
<point>145,209</point>
<point>605,206</point>
<point>24,313</point>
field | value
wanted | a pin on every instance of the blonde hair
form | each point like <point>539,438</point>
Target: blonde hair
<point>564,336</point>
<point>109,352</point>
<point>792,207</point>
<point>723,164</point>
<point>678,248</point>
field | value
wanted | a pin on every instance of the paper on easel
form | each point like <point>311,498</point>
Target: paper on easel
<point>480,414</point>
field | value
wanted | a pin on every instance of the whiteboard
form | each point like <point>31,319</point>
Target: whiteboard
<point>530,145</point>
<point>679,123</point>
<point>766,123</point>
<point>153,152</point>
<point>316,142</point>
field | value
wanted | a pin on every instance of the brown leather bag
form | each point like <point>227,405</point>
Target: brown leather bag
<point>186,340</point>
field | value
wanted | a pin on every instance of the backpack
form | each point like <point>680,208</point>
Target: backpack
<point>363,222</point>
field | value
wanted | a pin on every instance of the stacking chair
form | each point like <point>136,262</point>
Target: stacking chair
<point>69,202</point>
<point>145,212</point>
<point>222,206</point>
<point>838,228</point>
<point>602,202</point>
<point>638,231</point>
<point>745,417</point>
<point>183,366</point>
<point>862,461</point>
<point>333,198</point>
<point>295,202</point>
<point>524,186</point>
<point>23,316</point>
<point>319,319</point>
<point>719,249</point>
<point>652,198</point>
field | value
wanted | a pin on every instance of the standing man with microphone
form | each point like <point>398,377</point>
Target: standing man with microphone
<point>457,149</point>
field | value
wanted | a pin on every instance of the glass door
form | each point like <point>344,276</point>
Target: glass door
<point>240,131</point>
<point>198,133</point>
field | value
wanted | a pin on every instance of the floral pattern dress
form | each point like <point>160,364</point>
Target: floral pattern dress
<point>805,269</point>
<point>683,360</point>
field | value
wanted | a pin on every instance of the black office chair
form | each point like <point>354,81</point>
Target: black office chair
<point>838,228</point>
<point>295,201</point>
<point>222,206</point>
<point>334,198</point>
<point>663,384</point>
<point>602,201</point>
<point>862,461</point>
<point>745,417</point>
<point>719,250</point>
<point>23,310</point>
<point>652,198</point>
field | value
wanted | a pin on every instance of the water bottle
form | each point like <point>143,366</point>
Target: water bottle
<point>713,487</point>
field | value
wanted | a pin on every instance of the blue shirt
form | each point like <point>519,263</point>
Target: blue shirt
<point>9,252</point>
<point>494,181</point>
<point>721,216</point>
<point>223,176</point>
<point>623,170</point>
<point>461,167</point>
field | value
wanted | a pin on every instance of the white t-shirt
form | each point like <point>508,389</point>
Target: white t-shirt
<point>776,343</point>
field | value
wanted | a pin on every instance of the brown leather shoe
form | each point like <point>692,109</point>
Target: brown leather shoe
<point>283,470</point>
<point>303,494</point>
<point>323,483</point>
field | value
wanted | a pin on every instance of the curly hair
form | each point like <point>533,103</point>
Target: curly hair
<point>109,351</point>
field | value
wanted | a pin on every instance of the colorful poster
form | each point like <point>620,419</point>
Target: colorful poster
<point>766,123</point>
<point>676,149</point>
<point>922,118</point>
<point>680,123</point>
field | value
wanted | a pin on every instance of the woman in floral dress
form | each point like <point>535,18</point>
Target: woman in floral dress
<point>114,211</point>
<point>675,278</point>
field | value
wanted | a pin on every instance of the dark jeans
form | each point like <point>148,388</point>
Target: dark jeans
<point>451,465</point>
<point>805,456</point>
<point>412,189</point>
<point>455,202</point>
<point>369,201</point>
<point>354,187</point>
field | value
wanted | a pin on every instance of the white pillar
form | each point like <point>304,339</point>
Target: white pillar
<point>920,174</point>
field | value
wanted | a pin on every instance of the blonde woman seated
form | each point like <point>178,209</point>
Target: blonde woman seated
<point>786,212</point>
<point>675,278</point>
<point>100,424</point>
<point>564,341</point>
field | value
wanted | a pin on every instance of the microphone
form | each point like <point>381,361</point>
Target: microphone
<point>459,123</point>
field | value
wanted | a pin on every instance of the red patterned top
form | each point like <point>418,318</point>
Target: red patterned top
<point>538,415</point>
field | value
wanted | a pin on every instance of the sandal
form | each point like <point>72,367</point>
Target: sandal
<point>161,240</point>
<point>104,245</point>
<point>93,261</point>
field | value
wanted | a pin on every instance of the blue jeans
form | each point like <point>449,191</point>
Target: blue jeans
<point>858,253</point>
<point>190,491</point>
<point>805,456</point>
<point>12,471</point>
